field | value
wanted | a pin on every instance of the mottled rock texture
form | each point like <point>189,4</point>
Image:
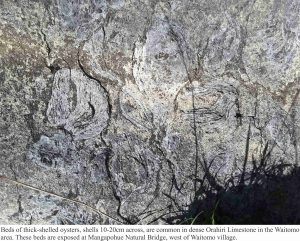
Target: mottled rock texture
<point>116,111</point>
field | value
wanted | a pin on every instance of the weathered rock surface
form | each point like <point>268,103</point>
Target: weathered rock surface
<point>118,111</point>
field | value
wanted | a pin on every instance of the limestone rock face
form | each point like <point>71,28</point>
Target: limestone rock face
<point>121,111</point>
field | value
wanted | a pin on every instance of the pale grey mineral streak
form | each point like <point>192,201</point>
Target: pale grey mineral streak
<point>118,111</point>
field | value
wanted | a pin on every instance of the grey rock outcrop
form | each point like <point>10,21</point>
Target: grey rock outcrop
<point>118,111</point>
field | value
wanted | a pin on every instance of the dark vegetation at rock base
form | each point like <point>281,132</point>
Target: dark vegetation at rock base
<point>268,195</point>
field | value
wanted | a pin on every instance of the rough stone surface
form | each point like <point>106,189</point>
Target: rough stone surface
<point>114,111</point>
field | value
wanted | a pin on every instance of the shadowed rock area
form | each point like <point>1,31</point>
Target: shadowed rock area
<point>139,112</point>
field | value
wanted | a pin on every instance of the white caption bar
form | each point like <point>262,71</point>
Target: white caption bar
<point>149,232</point>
